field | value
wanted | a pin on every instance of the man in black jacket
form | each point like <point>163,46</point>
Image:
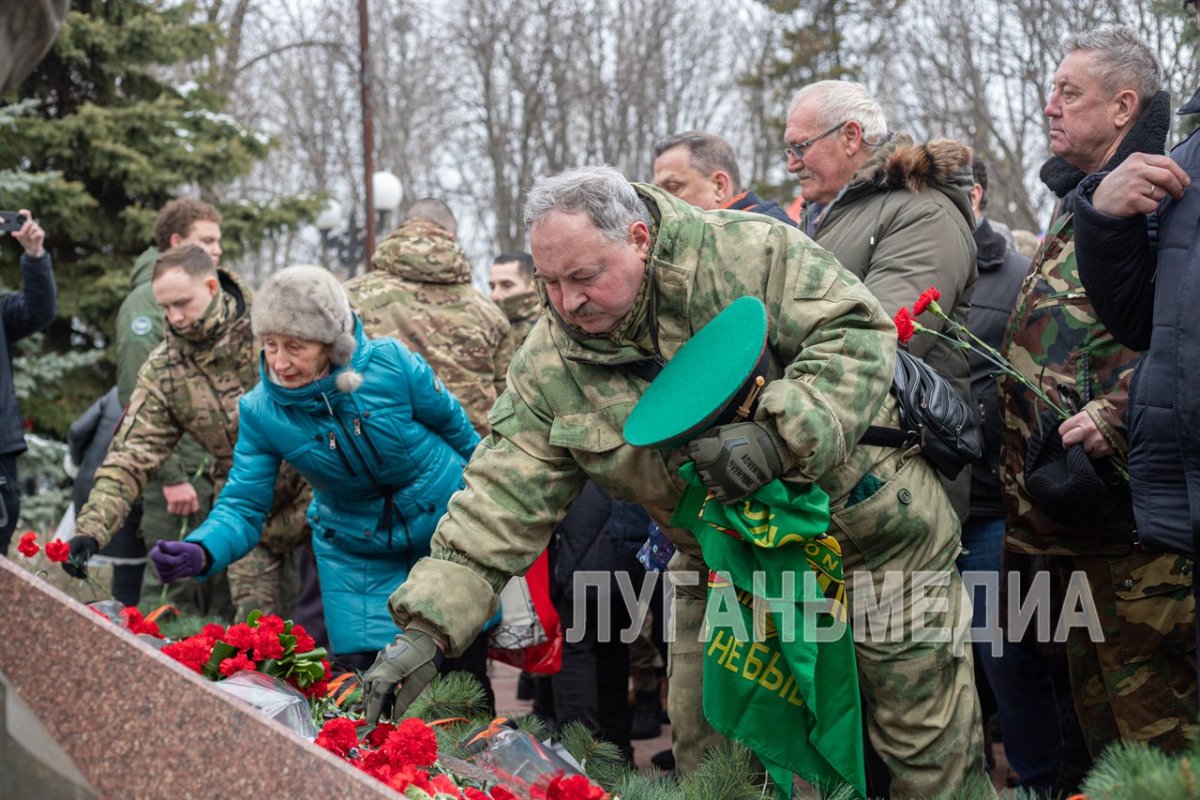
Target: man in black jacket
<point>23,313</point>
<point>1138,241</point>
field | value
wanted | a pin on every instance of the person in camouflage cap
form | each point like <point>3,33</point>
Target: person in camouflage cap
<point>1139,683</point>
<point>511,287</point>
<point>191,383</point>
<point>420,292</point>
<point>627,274</point>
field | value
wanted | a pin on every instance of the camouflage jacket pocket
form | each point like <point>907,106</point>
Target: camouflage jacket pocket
<point>1154,605</point>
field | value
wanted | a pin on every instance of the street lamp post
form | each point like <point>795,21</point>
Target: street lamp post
<point>387,191</point>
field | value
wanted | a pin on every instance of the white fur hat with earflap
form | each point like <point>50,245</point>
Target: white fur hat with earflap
<point>308,302</point>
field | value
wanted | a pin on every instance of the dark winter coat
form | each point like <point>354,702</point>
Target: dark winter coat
<point>1001,270</point>
<point>904,223</point>
<point>1142,275</point>
<point>749,201</point>
<point>23,312</point>
<point>88,439</point>
<point>598,534</point>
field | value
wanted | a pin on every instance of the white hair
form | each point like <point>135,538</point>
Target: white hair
<point>842,101</point>
<point>601,192</point>
<point>1125,60</point>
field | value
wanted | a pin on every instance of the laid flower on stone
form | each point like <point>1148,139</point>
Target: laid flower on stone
<point>232,666</point>
<point>339,736</point>
<point>134,621</point>
<point>574,787</point>
<point>28,546</point>
<point>58,551</point>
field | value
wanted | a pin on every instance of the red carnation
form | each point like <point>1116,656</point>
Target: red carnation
<point>212,631</point>
<point>267,645</point>
<point>58,551</point>
<point>408,776</point>
<point>134,621</point>
<point>231,666</point>
<point>28,545</point>
<point>240,636</point>
<point>471,793</point>
<point>443,784</point>
<point>382,731</point>
<point>413,743</point>
<point>574,787</point>
<point>904,325</point>
<point>930,295</point>
<point>304,642</point>
<point>500,793</point>
<point>193,652</point>
<point>339,735</point>
<point>270,623</point>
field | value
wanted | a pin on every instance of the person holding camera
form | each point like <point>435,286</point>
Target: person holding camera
<point>23,312</point>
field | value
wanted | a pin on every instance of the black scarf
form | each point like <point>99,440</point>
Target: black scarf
<point>1148,135</point>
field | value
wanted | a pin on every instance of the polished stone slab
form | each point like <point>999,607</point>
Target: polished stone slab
<point>135,724</point>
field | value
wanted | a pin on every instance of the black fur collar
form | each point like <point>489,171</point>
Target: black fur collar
<point>1148,135</point>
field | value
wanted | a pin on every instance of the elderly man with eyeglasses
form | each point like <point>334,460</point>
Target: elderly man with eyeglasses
<point>897,214</point>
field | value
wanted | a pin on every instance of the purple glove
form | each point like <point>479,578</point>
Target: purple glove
<point>175,560</point>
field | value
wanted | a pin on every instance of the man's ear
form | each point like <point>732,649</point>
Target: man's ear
<point>1126,103</point>
<point>174,240</point>
<point>976,199</point>
<point>851,136</point>
<point>213,285</point>
<point>724,186</point>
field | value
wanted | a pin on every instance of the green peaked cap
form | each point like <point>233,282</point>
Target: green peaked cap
<point>707,381</point>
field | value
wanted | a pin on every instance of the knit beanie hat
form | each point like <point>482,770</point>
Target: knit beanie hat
<point>308,302</point>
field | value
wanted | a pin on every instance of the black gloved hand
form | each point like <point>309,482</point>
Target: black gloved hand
<point>82,549</point>
<point>400,672</point>
<point>735,460</point>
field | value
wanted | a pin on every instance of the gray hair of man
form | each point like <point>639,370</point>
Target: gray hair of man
<point>1125,61</point>
<point>842,101</point>
<point>601,192</point>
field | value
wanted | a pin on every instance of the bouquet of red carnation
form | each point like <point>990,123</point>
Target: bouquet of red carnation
<point>263,643</point>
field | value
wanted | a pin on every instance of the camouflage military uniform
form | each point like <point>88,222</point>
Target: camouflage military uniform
<point>522,311</point>
<point>1140,682</point>
<point>831,352</point>
<point>139,330</point>
<point>192,383</point>
<point>420,292</point>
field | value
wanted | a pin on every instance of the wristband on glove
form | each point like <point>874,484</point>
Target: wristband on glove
<point>82,549</point>
<point>400,673</point>
<point>738,459</point>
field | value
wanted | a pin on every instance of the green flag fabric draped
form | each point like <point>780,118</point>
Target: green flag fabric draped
<point>779,667</point>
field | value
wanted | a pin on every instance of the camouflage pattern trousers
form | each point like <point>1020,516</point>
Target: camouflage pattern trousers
<point>910,617</point>
<point>1139,683</point>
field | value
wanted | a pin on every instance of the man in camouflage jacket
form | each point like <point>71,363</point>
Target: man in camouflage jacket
<point>1139,683</point>
<point>511,287</point>
<point>420,293</point>
<point>191,383</point>
<point>622,297</point>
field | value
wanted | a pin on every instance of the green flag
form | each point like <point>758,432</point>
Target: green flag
<point>783,684</point>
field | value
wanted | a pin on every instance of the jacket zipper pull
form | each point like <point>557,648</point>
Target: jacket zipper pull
<point>332,441</point>
<point>357,427</point>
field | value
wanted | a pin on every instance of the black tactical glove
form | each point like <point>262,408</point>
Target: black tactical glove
<point>82,548</point>
<point>735,460</point>
<point>400,672</point>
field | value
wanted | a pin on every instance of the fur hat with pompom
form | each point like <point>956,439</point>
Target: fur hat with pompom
<point>308,302</point>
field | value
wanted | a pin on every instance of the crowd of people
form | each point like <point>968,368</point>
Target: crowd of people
<point>377,459</point>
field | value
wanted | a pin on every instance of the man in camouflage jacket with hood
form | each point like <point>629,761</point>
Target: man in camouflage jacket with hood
<point>629,274</point>
<point>420,293</point>
<point>895,213</point>
<point>1139,683</point>
<point>191,383</point>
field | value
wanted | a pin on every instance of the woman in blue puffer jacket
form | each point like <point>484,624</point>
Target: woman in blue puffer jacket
<point>368,425</point>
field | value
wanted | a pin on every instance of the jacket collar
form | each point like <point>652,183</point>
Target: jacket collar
<point>991,246</point>
<point>520,307</point>
<point>942,164</point>
<point>424,252</point>
<point>210,335</point>
<point>322,390</point>
<point>1148,134</point>
<point>1192,106</point>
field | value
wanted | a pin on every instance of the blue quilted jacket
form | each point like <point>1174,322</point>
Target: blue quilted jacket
<point>383,461</point>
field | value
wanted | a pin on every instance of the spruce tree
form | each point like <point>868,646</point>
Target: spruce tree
<point>94,142</point>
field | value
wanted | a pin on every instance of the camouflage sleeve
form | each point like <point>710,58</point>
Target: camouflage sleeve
<point>147,434</point>
<point>518,486</point>
<point>235,524</point>
<point>437,409</point>
<point>919,249</point>
<point>840,347</point>
<point>1108,413</point>
<point>504,355</point>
